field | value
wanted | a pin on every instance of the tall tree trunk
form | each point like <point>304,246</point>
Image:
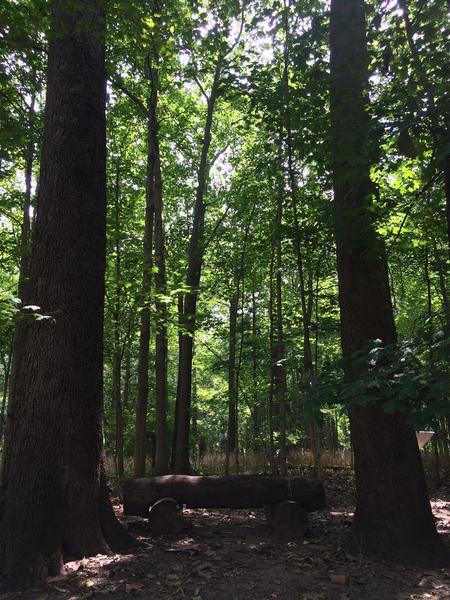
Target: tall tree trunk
<point>255,392</point>
<point>140,442</point>
<point>180,310</point>
<point>273,359</point>
<point>117,353</point>
<point>53,493</point>
<point>161,343</point>
<point>195,260</point>
<point>306,307</point>
<point>280,367</point>
<point>393,516</point>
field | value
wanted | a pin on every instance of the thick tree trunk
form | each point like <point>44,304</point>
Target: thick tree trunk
<point>53,498</point>
<point>195,260</point>
<point>393,516</point>
<point>232,491</point>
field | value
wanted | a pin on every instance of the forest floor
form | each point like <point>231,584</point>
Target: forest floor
<point>230,555</point>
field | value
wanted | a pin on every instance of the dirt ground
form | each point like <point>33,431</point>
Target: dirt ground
<point>231,555</point>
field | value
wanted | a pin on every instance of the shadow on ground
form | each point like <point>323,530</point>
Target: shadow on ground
<point>231,555</point>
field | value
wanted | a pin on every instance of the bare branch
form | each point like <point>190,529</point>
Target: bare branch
<point>117,83</point>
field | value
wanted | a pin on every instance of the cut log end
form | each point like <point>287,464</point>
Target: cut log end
<point>288,520</point>
<point>166,516</point>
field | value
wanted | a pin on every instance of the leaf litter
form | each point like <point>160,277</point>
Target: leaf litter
<point>231,555</point>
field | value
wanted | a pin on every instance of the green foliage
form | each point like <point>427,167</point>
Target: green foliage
<point>248,168</point>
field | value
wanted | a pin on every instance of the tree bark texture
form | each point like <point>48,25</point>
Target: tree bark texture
<point>232,491</point>
<point>53,497</point>
<point>393,516</point>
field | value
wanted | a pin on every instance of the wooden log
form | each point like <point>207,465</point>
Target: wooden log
<point>288,520</point>
<point>166,516</point>
<point>233,491</point>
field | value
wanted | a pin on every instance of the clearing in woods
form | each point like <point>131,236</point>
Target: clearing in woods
<point>230,555</point>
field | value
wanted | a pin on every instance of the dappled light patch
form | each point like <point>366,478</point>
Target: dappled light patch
<point>230,554</point>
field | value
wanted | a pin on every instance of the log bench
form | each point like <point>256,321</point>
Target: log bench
<point>286,500</point>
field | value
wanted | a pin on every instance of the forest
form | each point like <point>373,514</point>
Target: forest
<point>224,272</point>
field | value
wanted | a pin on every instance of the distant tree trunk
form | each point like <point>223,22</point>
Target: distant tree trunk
<point>439,128</point>
<point>127,377</point>
<point>25,237</point>
<point>117,353</point>
<point>393,516</point>
<point>255,393</point>
<point>140,442</point>
<point>232,383</point>
<point>273,359</point>
<point>161,442</point>
<point>195,413</point>
<point>280,367</point>
<point>306,308</point>
<point>177,400</point>
<point>195,260</point>
<point>441,271</point>
<point>54,496</point>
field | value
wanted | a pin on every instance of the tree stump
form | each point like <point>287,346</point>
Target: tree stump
<point>166,516</point>
<point>288,520</point>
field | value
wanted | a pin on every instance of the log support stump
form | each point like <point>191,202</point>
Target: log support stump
<point>166,516</point>
<point>287,520</point>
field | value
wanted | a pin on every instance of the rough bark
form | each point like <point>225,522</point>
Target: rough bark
<point>53,498</point>
<point>393,516</point>
<point>232,491</point>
